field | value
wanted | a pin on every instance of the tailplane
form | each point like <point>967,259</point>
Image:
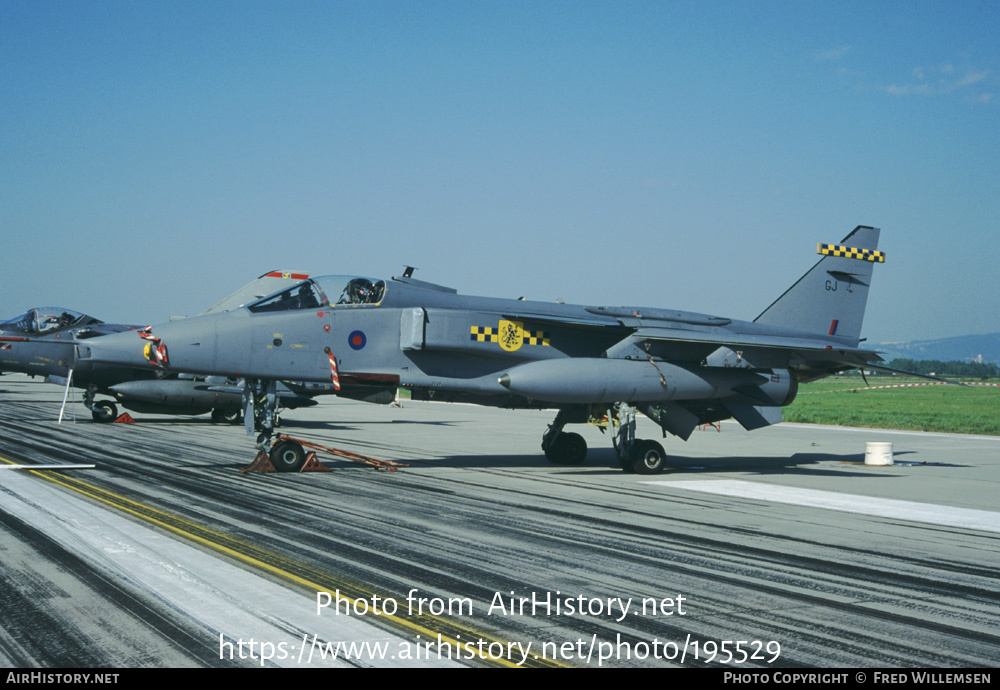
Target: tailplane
<point>830,298</point>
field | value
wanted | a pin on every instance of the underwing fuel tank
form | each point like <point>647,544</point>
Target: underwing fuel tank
<point>192,394</point>
<point>587,380</point>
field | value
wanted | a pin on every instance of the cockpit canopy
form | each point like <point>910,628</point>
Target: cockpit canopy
<point>323,291</point>
<point>42,320</point>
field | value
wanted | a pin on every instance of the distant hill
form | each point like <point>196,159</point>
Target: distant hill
<point>963,348</point>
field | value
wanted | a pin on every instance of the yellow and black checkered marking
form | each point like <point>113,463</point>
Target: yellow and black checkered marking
<point>851,252</point>
<point>536,338</point>
<point>509,335</point>
<point>485,334</point>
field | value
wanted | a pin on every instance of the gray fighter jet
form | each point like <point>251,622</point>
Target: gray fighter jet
<point>366,337</point>
<point>41,342</point>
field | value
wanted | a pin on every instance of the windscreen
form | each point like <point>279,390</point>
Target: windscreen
<point>323,291</point>
<point>304,295</point>
<point>44,320</point>
<point>352,290</point>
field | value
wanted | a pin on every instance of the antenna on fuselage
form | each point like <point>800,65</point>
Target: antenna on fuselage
<point>408,271</point>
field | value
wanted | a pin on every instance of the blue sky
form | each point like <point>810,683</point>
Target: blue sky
<point>158,155</point>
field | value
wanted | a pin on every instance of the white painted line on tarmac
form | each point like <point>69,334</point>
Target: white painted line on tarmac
<point>221,597</point>
<point>47,467</point>
<point>965,518</point>
<point>893,432</point>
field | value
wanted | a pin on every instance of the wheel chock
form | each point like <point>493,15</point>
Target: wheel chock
<point>125,418</point>
<point>314,465</point>
<point>262,463</point>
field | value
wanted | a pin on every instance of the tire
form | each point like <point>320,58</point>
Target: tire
<point>552,453</point>
<point>104,412</point>
<point>568,449</point>
<point>573,449</point>
<point>288,456</point>
<point>648,457</point>
<point>221,416</point>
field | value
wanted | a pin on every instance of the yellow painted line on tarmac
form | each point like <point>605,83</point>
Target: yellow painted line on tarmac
<point>425,625</point>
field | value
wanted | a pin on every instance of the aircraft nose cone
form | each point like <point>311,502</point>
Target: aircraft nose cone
<point>504,380</point>
<point>117,348</point>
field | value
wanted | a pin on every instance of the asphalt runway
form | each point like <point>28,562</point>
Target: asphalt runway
<point>776,548</point>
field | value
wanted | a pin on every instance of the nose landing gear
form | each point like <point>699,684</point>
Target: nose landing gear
<point>283,453</point>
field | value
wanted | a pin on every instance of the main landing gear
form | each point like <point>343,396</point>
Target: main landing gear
<point>260,415</point>
<point>562,448</point>
<point>634,455</point>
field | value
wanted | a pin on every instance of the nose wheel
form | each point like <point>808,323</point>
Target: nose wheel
<point>282,453</point>
<point>299,455</point>
<point>287,456</point>
<point>226,416</point>
<point>104,411</point>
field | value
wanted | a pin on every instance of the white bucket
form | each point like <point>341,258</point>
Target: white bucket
<point>878,453</point>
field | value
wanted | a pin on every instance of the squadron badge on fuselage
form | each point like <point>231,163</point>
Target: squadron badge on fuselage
<point>509,335</point>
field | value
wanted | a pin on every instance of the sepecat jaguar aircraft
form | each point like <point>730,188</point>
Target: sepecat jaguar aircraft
<point>367,337</point>
<point>41,342</point>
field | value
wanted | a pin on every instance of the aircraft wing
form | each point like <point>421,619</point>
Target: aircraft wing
<point>696,338</point>
<point>784,342</point>
<point>809,357</point>
<point>893,370</point>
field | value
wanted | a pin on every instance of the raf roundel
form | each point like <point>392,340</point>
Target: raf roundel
<point>357,340</point>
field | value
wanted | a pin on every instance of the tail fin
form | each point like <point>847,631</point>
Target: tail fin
<point>830,298</point>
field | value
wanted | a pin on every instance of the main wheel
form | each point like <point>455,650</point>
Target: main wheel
<point>648,457</point>
<point>567,449</point>
<point>574,449</point>
<point>288,456</point>
<point>104,411</point>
